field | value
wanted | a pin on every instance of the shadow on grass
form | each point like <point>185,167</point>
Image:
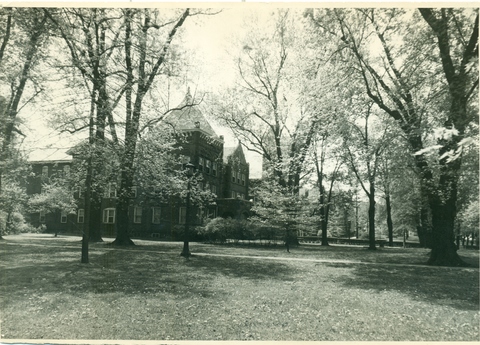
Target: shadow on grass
<point>453,287</point>
<point>243,268</point>
<point>43,270</point>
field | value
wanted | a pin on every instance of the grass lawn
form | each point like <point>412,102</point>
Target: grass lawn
<point>149,292</point>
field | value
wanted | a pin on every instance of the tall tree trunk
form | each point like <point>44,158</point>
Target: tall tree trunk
<point>444,211</point>
<point>87,222</point>
<point>389,220</point>
<point>123,202</point>
<point>87,204</point>
<point>324,210</point>
<point>97,193</point>
<point>371,216</point>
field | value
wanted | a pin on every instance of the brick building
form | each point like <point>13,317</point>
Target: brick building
<point>224,171</point>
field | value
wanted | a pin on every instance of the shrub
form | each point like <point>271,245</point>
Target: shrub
<point>216,230</point>
<point>15,225</point>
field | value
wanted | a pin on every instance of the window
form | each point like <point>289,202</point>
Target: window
<point>134,191</point>
<point>80,216</point>
<point>208,166</point>
<point>63,217</point>
<point>81,192</point>
<point>234,176</point>
<point>156,215</point>
<point>109,216</point>
<point>45,171</point>
<point>137,215</point>
<point>238,177</point>
<point>42,217</point>
<point>243,179</point>
<point>112,190</point>
<point>212,213</point>
<point>201,164</point>
<point>182,215</point>
<point>214,169</point>
<point>66,171</point>
<point>200,213</point>
<point>213,189</point>
<point>233,194</point>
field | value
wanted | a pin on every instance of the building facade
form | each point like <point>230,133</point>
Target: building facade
<point>222,171</point>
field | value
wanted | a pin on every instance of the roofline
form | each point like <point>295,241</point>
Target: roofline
<point>216,137</point>
<point>53,161</point>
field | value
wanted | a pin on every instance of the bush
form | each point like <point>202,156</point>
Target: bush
<point>364,235</point>
<point>221,229</point>
<point>16,225</point>
<point>216,230</point>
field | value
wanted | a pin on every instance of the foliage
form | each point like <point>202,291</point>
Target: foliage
<point>277,207</point>
<point>468,218</point>
<point>55,196</point>
<point>13,197</point>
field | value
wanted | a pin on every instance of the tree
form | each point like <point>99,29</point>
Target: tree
<point>24,32</point>
<point>91,37</point>
<point>56,196</point>
<point>277,207</point>
<point>457,42</point>
<point>264,110</point>
<point>137,26</point>
<point>325,181</point>
<point>13,198</point>
<point>364,140</point>
<point>401,78</point>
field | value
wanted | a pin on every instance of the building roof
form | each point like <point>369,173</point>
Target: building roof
<point>49,155</point>
<point>234,152</point>
<point>190,117</point>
